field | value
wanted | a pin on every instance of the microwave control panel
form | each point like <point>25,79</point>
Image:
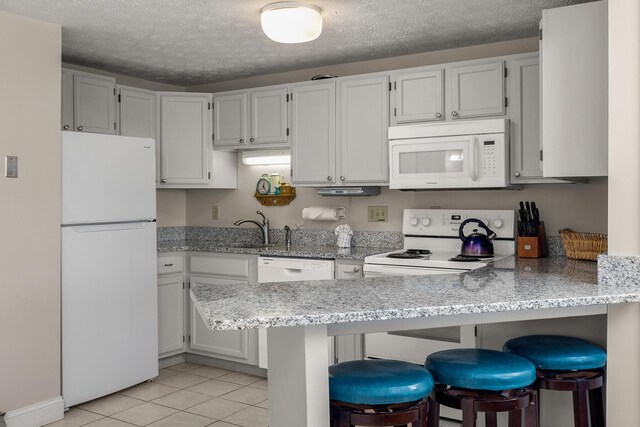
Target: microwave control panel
<point>489,157</point>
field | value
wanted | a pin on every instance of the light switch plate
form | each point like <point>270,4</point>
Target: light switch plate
<point>214,212</point>
<point>377,214</point>
<point>10,166</point>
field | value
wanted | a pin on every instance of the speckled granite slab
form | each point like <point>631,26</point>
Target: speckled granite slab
<point>510,285</point>
<point>615,270</point>
<point>555,247</point>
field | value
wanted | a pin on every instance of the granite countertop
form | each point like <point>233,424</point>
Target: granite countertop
<point>508,285</point>
<point>301,251</point>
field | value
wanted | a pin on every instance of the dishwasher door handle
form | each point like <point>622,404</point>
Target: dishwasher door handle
<point>294,270</point>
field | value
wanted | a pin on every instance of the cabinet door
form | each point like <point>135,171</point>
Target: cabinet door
<point>240,346</point>
<point>137,112</point>
<point>184,139</point>
<point>575,90</point>
<point>230,119</point>
<point>269,117</point>
<point>170,315</point>
<point>364,122</point>
<point>67,100</point>
<point>94,104</point>
<point>419,97</point>
<point>477,90</point>
<point>348,270</point>
<point>313,143</point>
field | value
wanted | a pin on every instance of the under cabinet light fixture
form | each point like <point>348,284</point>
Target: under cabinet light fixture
<point>266,157</point>
<point>291,21</point>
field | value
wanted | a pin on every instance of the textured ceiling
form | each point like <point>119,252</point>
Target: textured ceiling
<point>190,42</point>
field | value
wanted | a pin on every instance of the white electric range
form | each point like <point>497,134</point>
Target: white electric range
<point>432,244</point>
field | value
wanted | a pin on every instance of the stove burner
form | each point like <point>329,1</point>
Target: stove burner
<point>419,251</point>
<point>405,255</point>
<point>464,258</point>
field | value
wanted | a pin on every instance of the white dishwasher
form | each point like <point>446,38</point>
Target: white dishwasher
<point>275,269</point>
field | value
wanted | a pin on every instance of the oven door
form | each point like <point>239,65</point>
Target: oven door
<point>378,270</point>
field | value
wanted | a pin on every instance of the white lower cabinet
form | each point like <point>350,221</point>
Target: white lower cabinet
<point>171,305</point>
<point>236,346</point>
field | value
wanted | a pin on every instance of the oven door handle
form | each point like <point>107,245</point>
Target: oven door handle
<point>475,158</point>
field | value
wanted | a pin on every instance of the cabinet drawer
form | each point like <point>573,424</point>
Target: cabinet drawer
<point>348,271</point>
<point>170,264</point>
<point>220,266</point>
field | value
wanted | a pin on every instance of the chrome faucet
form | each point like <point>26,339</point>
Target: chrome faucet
<point>264,226</point>
<point>287,238</point>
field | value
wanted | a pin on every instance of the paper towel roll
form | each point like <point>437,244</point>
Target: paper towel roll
<point>323,213</point>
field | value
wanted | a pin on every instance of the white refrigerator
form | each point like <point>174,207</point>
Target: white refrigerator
<point>109,262</point>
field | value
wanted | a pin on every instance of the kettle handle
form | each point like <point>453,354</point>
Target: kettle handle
<point>490,234</point>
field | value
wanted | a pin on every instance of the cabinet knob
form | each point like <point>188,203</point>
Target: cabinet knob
<point>252,140</point>
<point>517,174</point>
<point>356,269</point>
<point>164,181</point>
<point>79,128</point>
<point>241,141</point>
<point>329,178</point>
<point>438,115</point>
<point>454,113</point>
<point>65,127</point>
<point>342,178</point>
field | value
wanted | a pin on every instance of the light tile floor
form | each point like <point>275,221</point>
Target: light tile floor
<point>183,395</point>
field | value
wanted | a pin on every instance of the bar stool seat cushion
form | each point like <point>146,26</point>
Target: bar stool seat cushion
<point>480,369</point>
<point>558,353</point>
<point>378,382</point>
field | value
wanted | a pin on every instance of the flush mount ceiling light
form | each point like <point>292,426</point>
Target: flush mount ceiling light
<point>291,22</point>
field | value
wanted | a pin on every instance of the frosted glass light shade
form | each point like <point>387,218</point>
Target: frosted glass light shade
<point>291,22</point>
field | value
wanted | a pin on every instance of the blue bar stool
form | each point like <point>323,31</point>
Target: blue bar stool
<point>568,364</point>
<point>478,380</point>
<point>378,393</point>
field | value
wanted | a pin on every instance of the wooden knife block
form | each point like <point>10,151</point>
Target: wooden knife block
<point>533,247</point>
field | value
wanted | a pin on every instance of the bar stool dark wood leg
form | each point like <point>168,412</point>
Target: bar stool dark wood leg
<point>515,418</point>
<point>580,408</point>
<point>490,419</point>
<point>469,415</point>
<point>532,413</point>
<point>434,413</point>
<point>596,407</point>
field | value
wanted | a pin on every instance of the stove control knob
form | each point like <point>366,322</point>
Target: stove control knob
<point>413,221</point>
<point>497,223</point>
<point>426,221</point>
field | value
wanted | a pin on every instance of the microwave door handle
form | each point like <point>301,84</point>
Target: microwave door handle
<point>475,158</point>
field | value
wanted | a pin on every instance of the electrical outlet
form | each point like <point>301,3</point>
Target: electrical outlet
<point>214,212</point>
<point>378,213</point>
<point>10,166</point>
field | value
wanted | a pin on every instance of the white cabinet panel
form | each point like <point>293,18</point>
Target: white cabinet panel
<point>346,270</point>
<point>94,104</point>
<point>170,315</point>
<point>184,137</point>
<point>230,119</point>
<point>419,96</point>
<point>269,116</point>
<point>313,122</point>
<point>364,121</point>
<point>575,90</point>
<point>67,100</point>
<point>137,112</point>
<point>477,90</point>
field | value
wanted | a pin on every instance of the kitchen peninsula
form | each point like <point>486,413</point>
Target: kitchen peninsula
<point>299,316</point>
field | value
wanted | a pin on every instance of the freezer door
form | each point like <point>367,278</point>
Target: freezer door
<point>109,309</point>
<point>107,178</point>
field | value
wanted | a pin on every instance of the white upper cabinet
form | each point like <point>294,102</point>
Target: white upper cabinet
<point>574,90</point>
<point>88,102</point>
<point>313,124</point>
<point>67,100</point>
<point>137,112</point>
<point>230,119</point>
<point>94,103</point>
<point>363,125</point>
<point>419,96</point>
<point>476,89</point>
<point>269,116</point>
<point>252,118</point>
<point>185,125</point>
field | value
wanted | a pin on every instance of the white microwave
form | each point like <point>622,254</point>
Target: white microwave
<point>451,155</point>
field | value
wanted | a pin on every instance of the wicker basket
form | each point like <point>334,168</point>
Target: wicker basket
<point>585,246</point>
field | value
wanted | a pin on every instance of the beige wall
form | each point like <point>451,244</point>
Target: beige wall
<point>581,207</point>
<point>171,208</point>
<point>30,214</point>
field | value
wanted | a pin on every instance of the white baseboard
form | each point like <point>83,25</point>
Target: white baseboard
<point>36,415</point>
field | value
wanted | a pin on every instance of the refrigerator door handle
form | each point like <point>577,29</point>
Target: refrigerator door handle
<point>110,226</point>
